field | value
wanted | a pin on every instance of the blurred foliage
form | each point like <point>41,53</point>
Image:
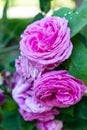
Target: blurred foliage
<point>10,31</point>
<point>9,41</point>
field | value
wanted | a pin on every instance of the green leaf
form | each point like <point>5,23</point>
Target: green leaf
<point>84,31</point>
<point>1,128</point>
<point>10,121</point>
<point>9,105</point>
<point>12,30</point>
<point>81,38</point>
<point>45,5</point>
<point>4,17</point>
<point>78,61</point>
<point>78,124</point>
<point>38,17</point>
<point>66,117</point>
<point>77,20</point>
<point>35,128</point>
<point>1,68</point>
<point>68,111</point>
<point>12,63</point>
<point>63,12</point>
<point>25,125</point>
<point>7,56</point>
<point>81,109</point>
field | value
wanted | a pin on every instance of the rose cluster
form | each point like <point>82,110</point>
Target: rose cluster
<point>37,88</point>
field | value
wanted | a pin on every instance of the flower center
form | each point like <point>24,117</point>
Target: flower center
<point>43,39</point>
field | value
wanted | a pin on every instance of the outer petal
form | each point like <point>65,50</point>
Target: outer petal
<point>25,69</point>
<point>50,125</point>
<point>44,116</point>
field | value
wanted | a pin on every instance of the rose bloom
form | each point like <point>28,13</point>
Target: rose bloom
<point>59,89</point>
<point>29,108</point>
<point>50,125</point>
<point>25,69</point>
<point>46,43</point>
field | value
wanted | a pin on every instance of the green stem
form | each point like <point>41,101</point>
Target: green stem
<point>5,50</point>
<point>4,17</point>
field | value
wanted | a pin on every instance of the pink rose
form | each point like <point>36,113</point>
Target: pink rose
<point>29,108</point>
<point>25,69</point>
<point>50,125</point>
<point>44,116</point>
<point>58,89</point>
<point>46,43</point>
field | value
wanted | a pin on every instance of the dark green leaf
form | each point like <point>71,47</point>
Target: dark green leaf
<point>84,31</point>
<point>10,121</point>
<point>81,38</point>
<point>2,68</point>
<point>35,128</point>
<point>45,5</point>
<point>78,61</point>
<point>68,111</point>
<point>38,17</point>
<point>65,117</point>
<point>12,63</point>
<point>81,109</point>
<point>79,19</point>
<point>78,124</point>
<point>1,128</point>
<point>6,58</point>
<point>4,17</point>
<point>25,125</point>
<point>63,12</point>
<point>9,105</point>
